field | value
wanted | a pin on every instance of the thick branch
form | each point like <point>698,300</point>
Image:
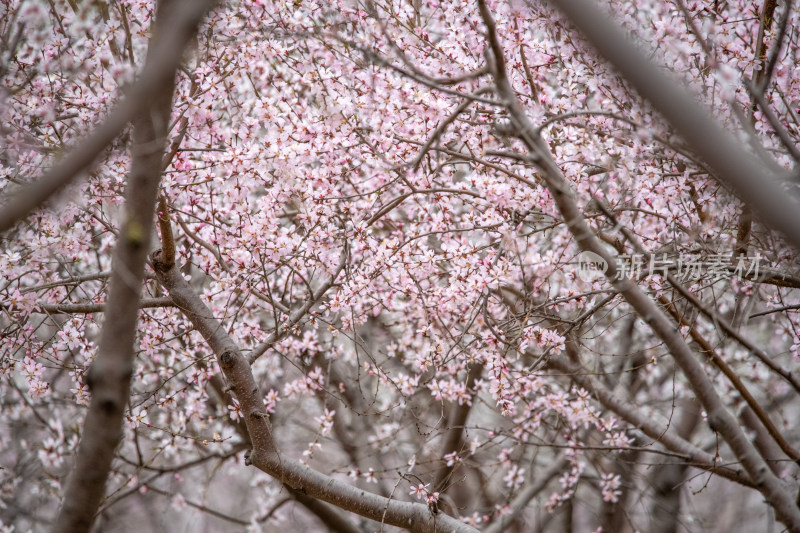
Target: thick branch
<point>110,374</point>
<point>667,479</point>
<point>329,516</point>
<point>453,440</point>
<point>412,516</point>
<point>754,183</point>
<point>688,115</point>
<point>522,499</point>
<point>158,71</point>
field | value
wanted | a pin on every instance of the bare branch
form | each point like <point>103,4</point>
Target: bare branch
<point>147,303</point>
<point>522,499</point>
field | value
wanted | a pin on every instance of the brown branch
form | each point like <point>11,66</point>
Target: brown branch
<point>110,374</point>
<point>755,184</point>
<point>147,303</point>
<point>745,223</point>
<point>763,441</point>
<point>412,516</point>
<point>167,239</point>
<point>744,229</point>
<point>776,310</point>
<point>453,440</point>
<point>729,330</point>
<point>719,362</point>
<point>719,149</point>
<point>522,499</point>
<point>201,507</point>
<point>327,514</point>
<point>69,281</point>
<point>158,71</point>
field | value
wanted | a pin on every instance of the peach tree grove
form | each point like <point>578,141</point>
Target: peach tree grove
<point>383,265</point>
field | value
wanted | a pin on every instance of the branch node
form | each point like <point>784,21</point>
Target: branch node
<point>160,263</point>
<point>227,359</point>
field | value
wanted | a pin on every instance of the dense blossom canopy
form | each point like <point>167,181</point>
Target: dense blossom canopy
<point>352,198</point>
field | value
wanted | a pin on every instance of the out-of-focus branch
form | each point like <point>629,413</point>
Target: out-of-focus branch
<point>453,440</point>
<point>667,479</point>
<point>763,441</point>
<point>159,70</point>
<point>110,374</point>
<point>522,499</point>
<point>758,186</point>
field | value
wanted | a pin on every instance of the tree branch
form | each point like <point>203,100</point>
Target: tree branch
<point>522,499</point>
<point>147,303</point>
<point>694,455</point>
<point>758,187</point>
<point>453,440</point>
<point>158,71</point>
<point>296,316</point>
<point>719,149</point>
<point>110,374</point>
<point>265,456</point>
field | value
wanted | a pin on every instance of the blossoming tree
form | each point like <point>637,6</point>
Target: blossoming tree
<point>431,265</point>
